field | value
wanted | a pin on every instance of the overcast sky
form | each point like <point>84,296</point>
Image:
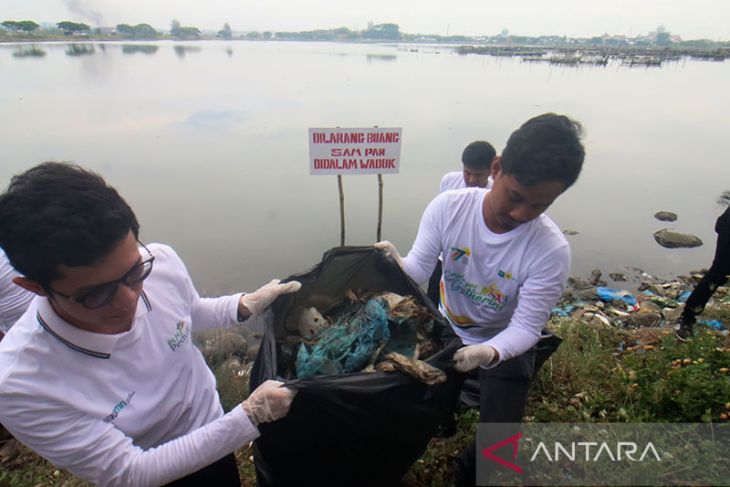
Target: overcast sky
<point>691,19</point>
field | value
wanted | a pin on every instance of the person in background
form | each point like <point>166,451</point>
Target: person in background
<point>476,160</point>
<point>14,300</point>
<point>505,264</point>
<point>714,278</point>
<point>100,375</point>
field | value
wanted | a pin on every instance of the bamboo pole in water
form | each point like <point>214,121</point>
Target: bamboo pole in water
<point>380,206</point>
<point>342,211</point>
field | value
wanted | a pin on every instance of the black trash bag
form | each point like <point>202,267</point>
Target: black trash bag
<point>349,429</point>
<point>545,347</point>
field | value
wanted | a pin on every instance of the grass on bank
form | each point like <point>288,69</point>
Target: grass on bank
<point>597,375</point>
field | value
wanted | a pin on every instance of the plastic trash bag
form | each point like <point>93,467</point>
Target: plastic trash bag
<point>349,429</point>
<point>609,294</point>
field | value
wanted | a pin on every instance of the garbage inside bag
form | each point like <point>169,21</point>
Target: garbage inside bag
<point>363,428</point>
<point>348,345</point>
<point>359,331</point>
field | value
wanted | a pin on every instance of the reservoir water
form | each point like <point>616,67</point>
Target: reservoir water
<point>208,143</point>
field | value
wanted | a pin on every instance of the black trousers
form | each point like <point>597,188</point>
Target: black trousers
<point>223,473</point>
<point>502,399</point>
<point>716,276</point>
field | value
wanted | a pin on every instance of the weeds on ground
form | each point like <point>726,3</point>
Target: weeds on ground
<point>611,375</point>
<point>599,374</point>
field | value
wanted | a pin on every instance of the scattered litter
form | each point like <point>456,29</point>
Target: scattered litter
<point>655,303</point>
<point>714,324</point>
<point>610,294</point>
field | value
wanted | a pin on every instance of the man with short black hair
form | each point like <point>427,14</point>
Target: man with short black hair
<point>505,262</point>
<point>100,375</point>
<point>477,160</point>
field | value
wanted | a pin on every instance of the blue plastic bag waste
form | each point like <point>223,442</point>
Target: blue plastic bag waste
<point>714,324</point>
<point>684,296</point>
<point>609,294</point>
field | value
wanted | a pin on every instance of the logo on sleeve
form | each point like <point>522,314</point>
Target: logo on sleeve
<point>460,255</point>
<point>118,408</point>
<point>181,334</point>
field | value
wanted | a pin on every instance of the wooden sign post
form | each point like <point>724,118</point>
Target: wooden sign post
<point>355,151</point>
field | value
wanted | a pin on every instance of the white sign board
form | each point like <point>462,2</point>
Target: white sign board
<point>354,150</point>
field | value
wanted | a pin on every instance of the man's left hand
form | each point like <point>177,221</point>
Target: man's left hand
<point>472,356</point>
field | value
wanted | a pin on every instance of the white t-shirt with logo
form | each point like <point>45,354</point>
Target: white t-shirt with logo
<point>455,180</point>
<point>135,408</point>
<point>497,289</point>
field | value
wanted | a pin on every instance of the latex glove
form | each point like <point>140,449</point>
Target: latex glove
<point>257,301</point>
<point>268,402</point>
<point>390,251</point>
<point>472,356</point>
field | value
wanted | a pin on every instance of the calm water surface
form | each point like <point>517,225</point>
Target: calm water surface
<point>207,142</point>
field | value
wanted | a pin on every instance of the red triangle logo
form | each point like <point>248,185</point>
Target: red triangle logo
<point>514,441</point>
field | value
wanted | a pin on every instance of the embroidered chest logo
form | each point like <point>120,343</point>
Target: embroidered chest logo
<point>181,334</point>
<point>118,408</point>
<point>460,255</point>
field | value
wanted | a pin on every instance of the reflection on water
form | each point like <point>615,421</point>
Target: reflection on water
<point>28,51</point>
<point>80,50</point>
<point>181,51</point>
<point>139,48</point>
<point>212,152</point>
<point>381,57</point>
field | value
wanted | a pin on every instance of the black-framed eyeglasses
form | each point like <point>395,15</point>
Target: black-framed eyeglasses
<point>102,294</point>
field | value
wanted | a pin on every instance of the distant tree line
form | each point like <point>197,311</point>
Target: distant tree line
<point>139,31</point>
<point>374,32</point>
<point>389,32</point>
<point>20,26</point>
<point>73,27</point>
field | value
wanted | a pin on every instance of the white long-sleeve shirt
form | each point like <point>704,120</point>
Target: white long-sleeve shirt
<point>136,408</point>
<point>455,180</point>
<point>495,288</point>
<point>14,300</point>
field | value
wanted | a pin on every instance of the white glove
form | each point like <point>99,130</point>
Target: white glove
<point>390,251</point>
<point>472,356</point>
<point>268,402</point>
<point>257,301</point>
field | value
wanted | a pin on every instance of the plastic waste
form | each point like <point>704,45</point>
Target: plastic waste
<point>714,324</point>
<point>564,311</point>
<point>610,294</point>
<point>354,429</point>
<point>684,296</point>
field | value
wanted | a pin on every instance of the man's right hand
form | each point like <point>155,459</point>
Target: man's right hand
<point>268,402</point>
<point>390,251</point>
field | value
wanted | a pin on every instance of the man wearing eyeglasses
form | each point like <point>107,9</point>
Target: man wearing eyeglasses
<point>99,375</point>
